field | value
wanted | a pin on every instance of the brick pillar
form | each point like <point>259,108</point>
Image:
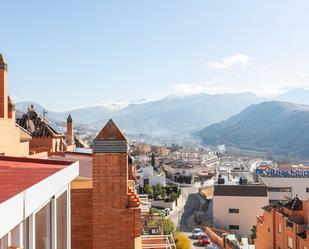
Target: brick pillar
<point>70,131</point>
<point>114,222</point>
<point>3,89</point>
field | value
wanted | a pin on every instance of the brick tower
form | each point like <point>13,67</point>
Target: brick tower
<point>3,88</point>
<point>70,131</point>
<point>116,211</point>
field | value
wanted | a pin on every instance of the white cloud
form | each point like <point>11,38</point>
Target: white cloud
<point>228,62</point>
<point>206,87</point>
<point>302,74</point>
<point>266,91</point>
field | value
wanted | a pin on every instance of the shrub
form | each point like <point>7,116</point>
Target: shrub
<point>182,242</point>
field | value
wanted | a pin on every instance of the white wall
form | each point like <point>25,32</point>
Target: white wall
<point>298,186</point>
<point>249,208</point>
<point>155,179</point>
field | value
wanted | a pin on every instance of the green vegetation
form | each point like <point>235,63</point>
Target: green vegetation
<point>148,190</point>
<point>182,242</point>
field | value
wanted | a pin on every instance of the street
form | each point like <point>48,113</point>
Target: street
<point>183,217</point>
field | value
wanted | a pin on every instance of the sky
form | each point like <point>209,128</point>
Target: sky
<point>66,54</point>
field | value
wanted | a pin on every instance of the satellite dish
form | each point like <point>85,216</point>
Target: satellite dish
<point>30,125</point>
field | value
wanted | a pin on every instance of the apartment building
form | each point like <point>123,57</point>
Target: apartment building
<point>35,203</point>
<point>237,202</point>
<point>283,226</point>
<point>285,181</point>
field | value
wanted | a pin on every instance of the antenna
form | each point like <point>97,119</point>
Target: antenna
<point>44,113</point>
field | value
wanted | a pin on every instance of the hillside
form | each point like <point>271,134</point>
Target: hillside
<point>170,115</point>
<point>275,127</point>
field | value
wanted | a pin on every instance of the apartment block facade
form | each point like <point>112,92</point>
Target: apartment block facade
<point>283,226</point>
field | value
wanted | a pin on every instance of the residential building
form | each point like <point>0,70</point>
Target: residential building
<point>35,203</point>
<point>283,225</point>
<point>14,140</point>
<point>237,202</point>
<point>285,181</point>
<point>147,176</point>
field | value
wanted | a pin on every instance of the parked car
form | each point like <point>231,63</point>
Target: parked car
<point>211,246</point>
<point>196,233</point>
<point>203,239</point>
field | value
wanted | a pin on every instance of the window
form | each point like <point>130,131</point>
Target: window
<point>233,227</point>
<point>61,206</point>
<point>289,224</point>
<point>234,210</point>
<point>279,189</point>
<point>307,190</point>
<point>279,227</point>
<point>43,228</point>
<point>290,242</point>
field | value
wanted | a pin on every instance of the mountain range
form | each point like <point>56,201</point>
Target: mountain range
<point>170,115</point>
<point>279,128</point>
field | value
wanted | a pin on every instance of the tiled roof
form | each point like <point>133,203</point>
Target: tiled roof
<point>37,125</point>
<point>294,204</point>
<point>111,132</point>
<point>18,174</point>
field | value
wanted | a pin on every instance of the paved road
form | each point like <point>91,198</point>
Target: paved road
<point>183,217</point>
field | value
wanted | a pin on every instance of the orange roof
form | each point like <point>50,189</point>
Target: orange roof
<point>17,174</point>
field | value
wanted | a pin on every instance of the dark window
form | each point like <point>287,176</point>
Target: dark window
<point>234,210</point>
<point>307,190</point>
<point>233,227</point>
<point>289,224</point>
<point>279,189</point>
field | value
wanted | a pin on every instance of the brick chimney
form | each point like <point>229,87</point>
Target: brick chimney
<point>3,88</point>
<point>11,109</point>
<point>70,131</point>
<point>116,218</point>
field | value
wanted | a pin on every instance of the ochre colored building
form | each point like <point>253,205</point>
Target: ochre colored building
<point>105,209</point>
<point>14,140</point>
<point>283,226</point>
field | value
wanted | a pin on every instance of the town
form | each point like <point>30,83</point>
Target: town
<point>57,189</point>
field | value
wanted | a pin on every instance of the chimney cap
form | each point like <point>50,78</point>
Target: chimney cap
<point>69,119</point>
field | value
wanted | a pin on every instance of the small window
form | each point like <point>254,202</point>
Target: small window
<point>279,227</point>
<point>279,189</point>
<point>234,210</point>
<point>290,242</point>
<point>307,190</point>
<point>289,224</point>
<point>233,227</point>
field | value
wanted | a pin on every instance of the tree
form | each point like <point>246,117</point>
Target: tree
<point>182,242</point>
<point>149,190</point>
<point>173,197</point>
<point>168,226</point>
<point>253,233</point>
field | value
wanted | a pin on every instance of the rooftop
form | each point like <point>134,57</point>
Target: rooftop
<point>18,174</point>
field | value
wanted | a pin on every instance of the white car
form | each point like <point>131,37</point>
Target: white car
<point>196,233</point>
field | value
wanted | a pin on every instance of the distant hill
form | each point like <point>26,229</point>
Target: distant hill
<point>275,127</point>
<point>297,96</point>
<point>170,115</point>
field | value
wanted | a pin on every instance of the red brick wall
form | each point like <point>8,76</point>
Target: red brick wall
<point>81,218</point>
<point>115,225</point>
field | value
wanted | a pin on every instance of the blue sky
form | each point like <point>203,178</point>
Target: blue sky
<point>65,54</point>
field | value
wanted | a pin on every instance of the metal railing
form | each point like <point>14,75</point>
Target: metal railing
<point>158,242</point>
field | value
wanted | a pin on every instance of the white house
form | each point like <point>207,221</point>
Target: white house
<point>236,205</point>
<point>146,175</point>
<point>35,203</point>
